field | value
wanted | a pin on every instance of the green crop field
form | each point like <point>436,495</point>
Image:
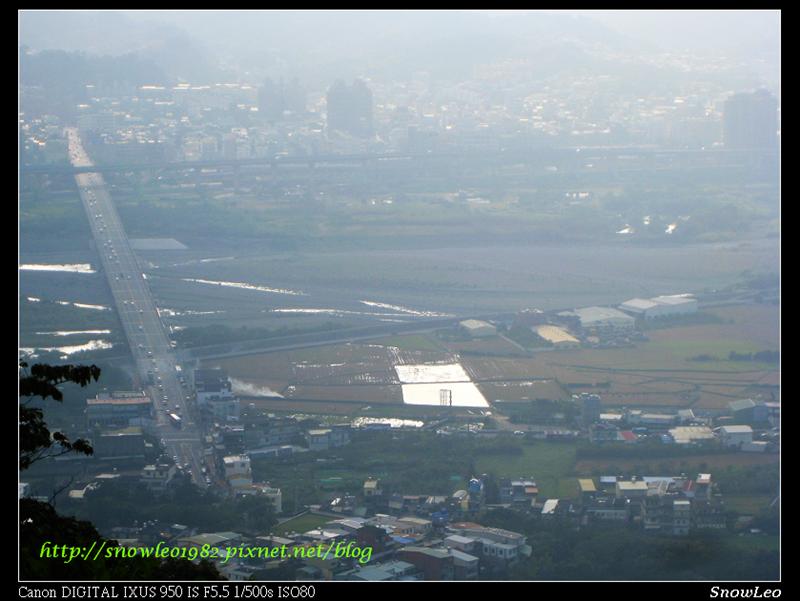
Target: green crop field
<point>550,464</point>
<point>303,523</point>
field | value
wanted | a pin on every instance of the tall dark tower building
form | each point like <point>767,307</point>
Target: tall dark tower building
<point>350,108</point>
<point>294,97</point>
<point>337,101</point>
<point>275,98</point>
<point>362,103</point>
<point>750,121</point>
<point>271,103</point>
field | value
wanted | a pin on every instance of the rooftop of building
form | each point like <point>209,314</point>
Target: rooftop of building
<point>601,313</point>
<point>630,485</point>
<point>109,399</point>
<point>475,323</point>
<point>555,334</point>
<point>641,304</point>
<point>737,429</point>
<point>745,404</point>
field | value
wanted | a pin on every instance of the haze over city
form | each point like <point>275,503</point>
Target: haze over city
<point>455,295</point>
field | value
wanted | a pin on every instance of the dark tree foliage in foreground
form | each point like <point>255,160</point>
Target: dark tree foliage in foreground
<point>42,381</point>
<point>616,552</point>
<point>42,528</point>
<point>39,523</point>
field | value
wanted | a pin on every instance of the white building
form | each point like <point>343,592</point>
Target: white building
<point>550,507</point>
<point>158,476</point>
<point>736,436</point>
<point>676,304</point>
<point>639,307</point>
<point>273,494</point>
<point>213,390</point>
<point>660,306</point>
<point>477,328</point>
<point>238,472</point>
<point>494,544</point>
<point>372,488</point>
<point>604,318</point>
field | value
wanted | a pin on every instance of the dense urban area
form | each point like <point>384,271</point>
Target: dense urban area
<point>502,307</point>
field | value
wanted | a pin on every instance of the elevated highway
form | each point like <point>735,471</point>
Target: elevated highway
<point>140,320</point>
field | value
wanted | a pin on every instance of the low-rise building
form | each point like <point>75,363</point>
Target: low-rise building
<point>125,443</point>
<point>119,409</point>
<point>691,434</point>
<point>462,543</point>
<point>656,420</point>
<point>736,436</point>
<point>681,517</point>
<point>749,411</point>
<point>708,514</point>
<point>602,318</point>
<point>608,509</point>
<point>630,489</point>
<point>587,489</point>
<point>158,476</point>
<point>477,328</point>
<point>460,500</point>
<point>238,473</point>
<point>549,508</point>
<point>495,546</point>
<point>465,565</point>
<point>661,306</point>
<point>322,439</point>
<point>413,525</point>
<point>556,336</point>
<point>522,491</point>
<point>214,393</point>
<point>435,564</point>
<point>755,446</point>
<point>394,570</point>
<point>273,494</point>
<point>372,488</point>
<point>272,431</point>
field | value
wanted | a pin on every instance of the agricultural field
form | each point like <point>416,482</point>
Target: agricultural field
<point>302,523</point>
<point>412,342</point>
<point>524,391</point>
<point>550,464</point>
<point>494,345</point>
<point>748,504</point>
<point>699,463</point>
<point>661,372</point>
<point>414,462</point>
<point>303,288</point>
<point>360,374</point>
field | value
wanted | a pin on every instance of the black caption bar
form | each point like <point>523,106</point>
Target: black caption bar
<point>234,591</point>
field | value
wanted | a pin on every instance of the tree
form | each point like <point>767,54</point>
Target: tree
<point>42,528</point>
<point>42,381</point>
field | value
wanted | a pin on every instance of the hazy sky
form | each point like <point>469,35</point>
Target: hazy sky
<point>313,44</point>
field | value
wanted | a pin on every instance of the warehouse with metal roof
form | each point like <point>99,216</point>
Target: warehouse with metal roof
<point>660,306</point>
